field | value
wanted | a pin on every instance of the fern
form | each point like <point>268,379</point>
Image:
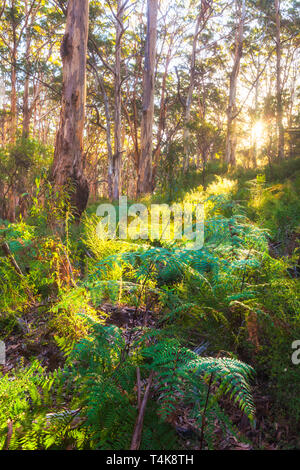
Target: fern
<point>102,371</point>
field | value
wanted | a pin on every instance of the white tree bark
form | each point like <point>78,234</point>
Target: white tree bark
<point>68,156</point>
<point>279,114</point>
<point>230,155</point>
<point>145,162</point>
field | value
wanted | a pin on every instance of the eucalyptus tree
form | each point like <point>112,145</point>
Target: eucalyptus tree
<point>145,161</point>
<point>204,12</point>
<point>230,154</point>
<point>11,35</point>
<point>68,157</point>
<point>279,81</point>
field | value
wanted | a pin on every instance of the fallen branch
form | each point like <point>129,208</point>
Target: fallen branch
<point>138,429</point>
<point>11,258</point>
<point>139,387</point>
<point>9,435</point>
<point>204,411</point>
<point>15,265</point>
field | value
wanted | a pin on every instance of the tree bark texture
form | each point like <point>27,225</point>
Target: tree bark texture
<point>145,163</point>
<point>230,155</point>
<point>279,113</point>
<point>117,156</point>
<point>68,157</point>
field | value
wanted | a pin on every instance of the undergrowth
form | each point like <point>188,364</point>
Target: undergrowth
<point>199,318</point>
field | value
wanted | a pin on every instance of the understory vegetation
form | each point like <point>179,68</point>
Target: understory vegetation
<point>124,345</point>
<point>178,329</point>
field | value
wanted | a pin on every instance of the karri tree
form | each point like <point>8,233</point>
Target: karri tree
<point>69,153</point>
<point>145,163</point>
<point>230,154</point>
<point>279,110</point>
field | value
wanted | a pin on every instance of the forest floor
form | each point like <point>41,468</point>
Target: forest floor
<point>36,340</point>
<point>273,204</point>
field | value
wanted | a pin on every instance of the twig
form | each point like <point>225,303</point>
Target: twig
<point>3,8</point>
<point>11,258</point>
<point>138,382</point>
<point>204,412</point>
<point>9,434</point>
<point>138,429</point>
<point>70,266</point>
<point>15,265</point>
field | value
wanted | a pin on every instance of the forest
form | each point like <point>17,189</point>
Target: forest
<point>149,225</point>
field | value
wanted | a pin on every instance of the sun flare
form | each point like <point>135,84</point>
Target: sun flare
<point>258,133</point>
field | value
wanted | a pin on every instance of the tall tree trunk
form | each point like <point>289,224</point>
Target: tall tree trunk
<point>291,107</point>
<point>162,117</point>
<point>230,156</point>
<point>188,104</point>
<point>13,109</point>
<point>145,162</point>
<point>26,111</point>
<point>12,193</point>
<point>279,113</point>
<point>108,131</point>
<point>130,101</point>
<point>117,157</point>
<point>204,14</point>
<point>254,143</point>
<point>68,156</point>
